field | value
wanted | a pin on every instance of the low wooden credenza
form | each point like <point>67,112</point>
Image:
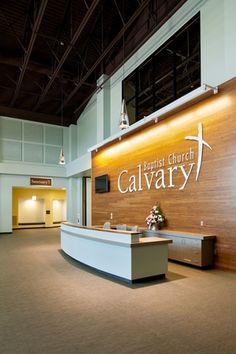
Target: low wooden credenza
<point>191,248</point>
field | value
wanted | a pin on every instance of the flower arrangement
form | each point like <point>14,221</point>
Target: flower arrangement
<point>156,219</point>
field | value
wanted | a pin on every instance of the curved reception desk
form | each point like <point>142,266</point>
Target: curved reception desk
<point>124,254</point>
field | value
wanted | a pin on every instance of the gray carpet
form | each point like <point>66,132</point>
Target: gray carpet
<point>52,304</point>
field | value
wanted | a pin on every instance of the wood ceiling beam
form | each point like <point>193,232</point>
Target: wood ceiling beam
<point>30,48</point>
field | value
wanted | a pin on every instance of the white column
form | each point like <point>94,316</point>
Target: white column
<point>5,205</point>
<point>74,200</point>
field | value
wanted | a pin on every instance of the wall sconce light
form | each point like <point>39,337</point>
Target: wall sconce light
<point>124,119</point>
<point>34,197</point>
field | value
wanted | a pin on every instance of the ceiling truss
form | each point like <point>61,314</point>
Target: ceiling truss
<point>54,49</point>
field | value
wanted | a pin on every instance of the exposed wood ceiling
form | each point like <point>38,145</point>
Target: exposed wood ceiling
<point>52,52</point>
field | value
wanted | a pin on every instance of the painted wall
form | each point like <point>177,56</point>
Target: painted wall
<point>22,197</point>
<point>74,200</point>
<point>73,143</point>
<point>103,108</point>
<point>59,210</point>
<point>30,212</point>
<point>187,163</point>
<point>218,28</point>
<point>7,182</point>
<point>28,149</point>
<point>30,142</point>
<point>87,127</point>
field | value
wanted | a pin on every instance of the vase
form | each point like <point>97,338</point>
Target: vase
<point>153,227</point>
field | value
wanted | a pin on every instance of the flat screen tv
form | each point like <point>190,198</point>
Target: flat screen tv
<point>102,184</point>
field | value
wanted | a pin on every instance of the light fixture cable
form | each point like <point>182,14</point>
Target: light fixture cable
<point>124,119</point>
<point>62,156</point>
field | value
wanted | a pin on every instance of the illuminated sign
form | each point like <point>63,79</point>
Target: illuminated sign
<point>161,173</point>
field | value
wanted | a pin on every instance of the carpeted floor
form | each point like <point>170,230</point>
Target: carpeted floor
<point>52,304</point>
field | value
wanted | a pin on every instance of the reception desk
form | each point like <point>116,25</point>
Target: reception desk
<point>124,254</point>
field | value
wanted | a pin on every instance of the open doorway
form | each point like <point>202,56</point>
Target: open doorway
<point>38,207</point>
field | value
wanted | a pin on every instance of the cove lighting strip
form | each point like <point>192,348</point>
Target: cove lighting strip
<point>155,116</point>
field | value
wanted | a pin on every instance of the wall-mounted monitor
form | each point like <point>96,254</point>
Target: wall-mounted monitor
<point>102,184</point>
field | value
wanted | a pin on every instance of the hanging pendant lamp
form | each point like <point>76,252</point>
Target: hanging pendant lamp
<point>62,156</point>
<point>124,119</point>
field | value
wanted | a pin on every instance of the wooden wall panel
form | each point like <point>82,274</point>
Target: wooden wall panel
<point>211,199</point>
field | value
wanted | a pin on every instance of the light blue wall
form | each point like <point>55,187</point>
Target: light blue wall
<point>27,142</point>
<point>6,203</point>
<point>103,108</point>
<point>7,181</point>
<point>87,128</point>
<point>72,138</point>
<point>74,200</point>
<point>28,149</point>
<point>217,41</point>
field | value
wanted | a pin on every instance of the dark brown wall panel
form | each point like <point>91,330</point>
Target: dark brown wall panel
<point>211,199</point>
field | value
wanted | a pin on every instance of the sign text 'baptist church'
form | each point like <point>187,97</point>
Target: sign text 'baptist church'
<point>161,173</point>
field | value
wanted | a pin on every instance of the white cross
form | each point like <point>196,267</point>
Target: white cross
<point>201,142</point>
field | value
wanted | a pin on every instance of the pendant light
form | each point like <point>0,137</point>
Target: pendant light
<point>62,156</point>
<point>124,119</point>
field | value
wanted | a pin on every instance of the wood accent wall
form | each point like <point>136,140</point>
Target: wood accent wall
<point>211,199</point>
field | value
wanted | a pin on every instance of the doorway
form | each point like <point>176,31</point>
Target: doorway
<point>38,207</point>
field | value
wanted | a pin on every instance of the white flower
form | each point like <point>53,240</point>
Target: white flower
<point>155,216</point>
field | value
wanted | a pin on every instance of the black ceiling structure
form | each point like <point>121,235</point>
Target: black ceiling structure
<point>52,52</point>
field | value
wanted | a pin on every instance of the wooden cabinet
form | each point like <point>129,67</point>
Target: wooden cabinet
<point>191,248</point>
